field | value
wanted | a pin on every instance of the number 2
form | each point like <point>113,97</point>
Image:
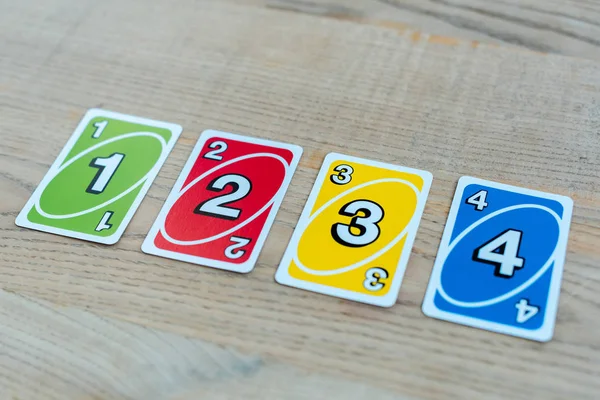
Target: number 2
<point>107,167</point>
<point>216,207</point>
<point>219,147</point>
<point>234,251</point>
<point>368,230</point>
<point>502,251</point>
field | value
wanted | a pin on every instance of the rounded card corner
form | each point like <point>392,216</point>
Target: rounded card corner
<point>466,180</point>
<point>280,277</point>
<point>545,338</point>
<point>147,247</point>
<point>245,269</point>
<point>388,302</point>
<point>111,240</point>
<point>297,150</point>
<point>567,202</point>
<point>21,221</point>
<point>427,176</point>
<point>332,155</point>
<point>543,335</point>
<point>428,309</point>
<point>208,133</point>
<point>176,129</point>
<point>94,111</point>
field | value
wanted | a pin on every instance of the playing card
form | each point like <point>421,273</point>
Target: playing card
<point>355,235</point>
<point>100,177</point>
<point>501,259</point>
<point>221,208</point>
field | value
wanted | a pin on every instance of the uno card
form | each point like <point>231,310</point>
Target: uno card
<point>501,258</point>
<point>100,178</point>
<point>225,200</point>
<point>356,232</point>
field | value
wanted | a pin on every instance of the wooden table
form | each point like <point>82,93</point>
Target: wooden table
<point>87,321</point>
<point>569,27</point>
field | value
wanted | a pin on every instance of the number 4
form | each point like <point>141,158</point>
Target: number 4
<point>503,252</point>
<point>478,200</point>
<point>525,311</point>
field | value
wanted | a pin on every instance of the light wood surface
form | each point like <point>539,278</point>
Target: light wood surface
<point>86,321</point>
<point>569,27</point>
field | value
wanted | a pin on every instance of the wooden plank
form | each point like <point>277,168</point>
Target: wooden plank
<point>66,353</point>
<point>450,107</point>
<point>559,26</point>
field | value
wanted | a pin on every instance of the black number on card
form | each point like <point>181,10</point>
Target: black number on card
<point>362,229</point>
<point>502,251</point>
<point>107,167</point>
<point>217,206</point>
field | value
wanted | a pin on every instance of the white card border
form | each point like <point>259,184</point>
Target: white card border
<point>92,113</point>
<point>282,275</point>
<point>546,331</point>
<point>148,246</point>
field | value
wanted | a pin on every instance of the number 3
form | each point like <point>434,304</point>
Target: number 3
<point>343,176</point>
<point>373,279</point>
<point>367,225</point>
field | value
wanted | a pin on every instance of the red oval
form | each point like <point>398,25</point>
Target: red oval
<point>266,175</point>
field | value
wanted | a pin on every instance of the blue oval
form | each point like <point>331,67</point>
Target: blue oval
<point>467,280</point>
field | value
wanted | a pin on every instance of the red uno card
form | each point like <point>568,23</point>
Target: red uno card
<point>225,200</point>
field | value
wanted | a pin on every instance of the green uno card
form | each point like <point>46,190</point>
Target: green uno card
<point>101,176</point>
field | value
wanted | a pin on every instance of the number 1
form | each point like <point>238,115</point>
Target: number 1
<point>104,222</point>
<point>99,128</point>
<point>106,169</point>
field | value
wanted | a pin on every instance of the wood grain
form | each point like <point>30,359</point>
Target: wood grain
<point>84,356</point>
<point>569,27</point>
<point>450,107</point>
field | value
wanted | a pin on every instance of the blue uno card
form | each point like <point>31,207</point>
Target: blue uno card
<point>501,259</point>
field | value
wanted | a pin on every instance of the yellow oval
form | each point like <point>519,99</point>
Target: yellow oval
<point>318,252</point>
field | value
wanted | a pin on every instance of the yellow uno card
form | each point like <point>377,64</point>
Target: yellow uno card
<point>356,232</point>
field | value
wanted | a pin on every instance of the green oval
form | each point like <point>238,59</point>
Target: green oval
<point>66,193</point>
